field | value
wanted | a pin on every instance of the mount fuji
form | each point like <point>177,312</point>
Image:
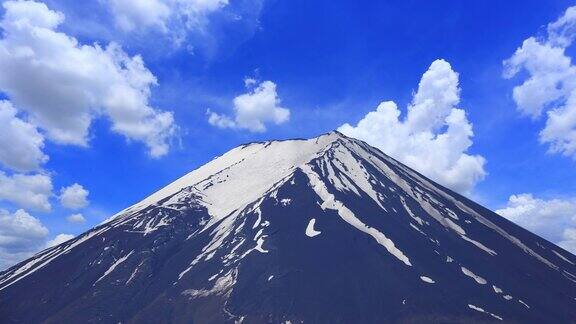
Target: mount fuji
<point>321,230</point>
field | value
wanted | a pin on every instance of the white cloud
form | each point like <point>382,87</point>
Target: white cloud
<point>28,191</point>
<point>553,219</point>
<point>74,197</point>
<point>21,235</point>
<point>253,110</point>
<point>130,14</point>
<point>175,16</point>
<point>60,238</point>
<point>434,136</point>
<point>551,84</point>
<point>20,142</point>
<point>220,121</point>
<point>63,85</point>
<point>76,218</point>
<point>562,31</point>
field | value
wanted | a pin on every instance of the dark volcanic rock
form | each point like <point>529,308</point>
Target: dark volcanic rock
<point>326,230</point>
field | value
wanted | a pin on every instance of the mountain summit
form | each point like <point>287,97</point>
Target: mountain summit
<point>323,230</point>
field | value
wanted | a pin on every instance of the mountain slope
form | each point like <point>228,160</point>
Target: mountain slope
<point>324,230</point>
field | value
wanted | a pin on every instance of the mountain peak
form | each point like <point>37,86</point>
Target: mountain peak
<point>247,171</point>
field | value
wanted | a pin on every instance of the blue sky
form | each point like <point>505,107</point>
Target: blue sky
<point>331,62</point>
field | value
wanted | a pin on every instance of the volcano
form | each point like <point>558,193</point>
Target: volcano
<point>321,230</point>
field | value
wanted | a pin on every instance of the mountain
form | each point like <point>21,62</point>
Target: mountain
<point>323,230</point>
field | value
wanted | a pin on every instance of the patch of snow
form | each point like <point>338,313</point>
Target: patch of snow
<point>222,286</point>
<point>409,211</point>
<point>427,279</point>
<point>563,257</point>
<point>259,214</point>
<point>215,275</point>
<point>523,303</point>
<point>310,231</point>
<point>479,245</point>
<point>479,309</point>
<point>417,229</point>
<point>113,266</point>
<point>451,213</point>
<point>569,275</point>
<point>259,243</point>
<point>232,252</point>
<point>133,275</point>
<point>471,274</point>
<point>258,234</point>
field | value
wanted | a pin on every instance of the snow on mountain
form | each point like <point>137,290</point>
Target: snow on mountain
<point>243,174</point>
<point>327,229</point>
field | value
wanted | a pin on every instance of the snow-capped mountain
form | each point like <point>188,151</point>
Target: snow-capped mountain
<point>324,230</point>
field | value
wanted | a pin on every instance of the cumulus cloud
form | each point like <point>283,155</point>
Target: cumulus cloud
<point>28,191</point>
<point>254,109</point>
<point>550,85</point>
<point>435,135</point>
<point>74,197</point>
<point>175,16</point>
<point>76,218</point>
<point>21,235</point>
<point>63,85</point>
<point>20,142</point>
<point>60,238</point>
<point>553,219</point>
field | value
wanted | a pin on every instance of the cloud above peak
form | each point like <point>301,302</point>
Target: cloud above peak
<point>433,137</point>
<point>254,109</point>
<point>550,85</point>
<point>63,85</point>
